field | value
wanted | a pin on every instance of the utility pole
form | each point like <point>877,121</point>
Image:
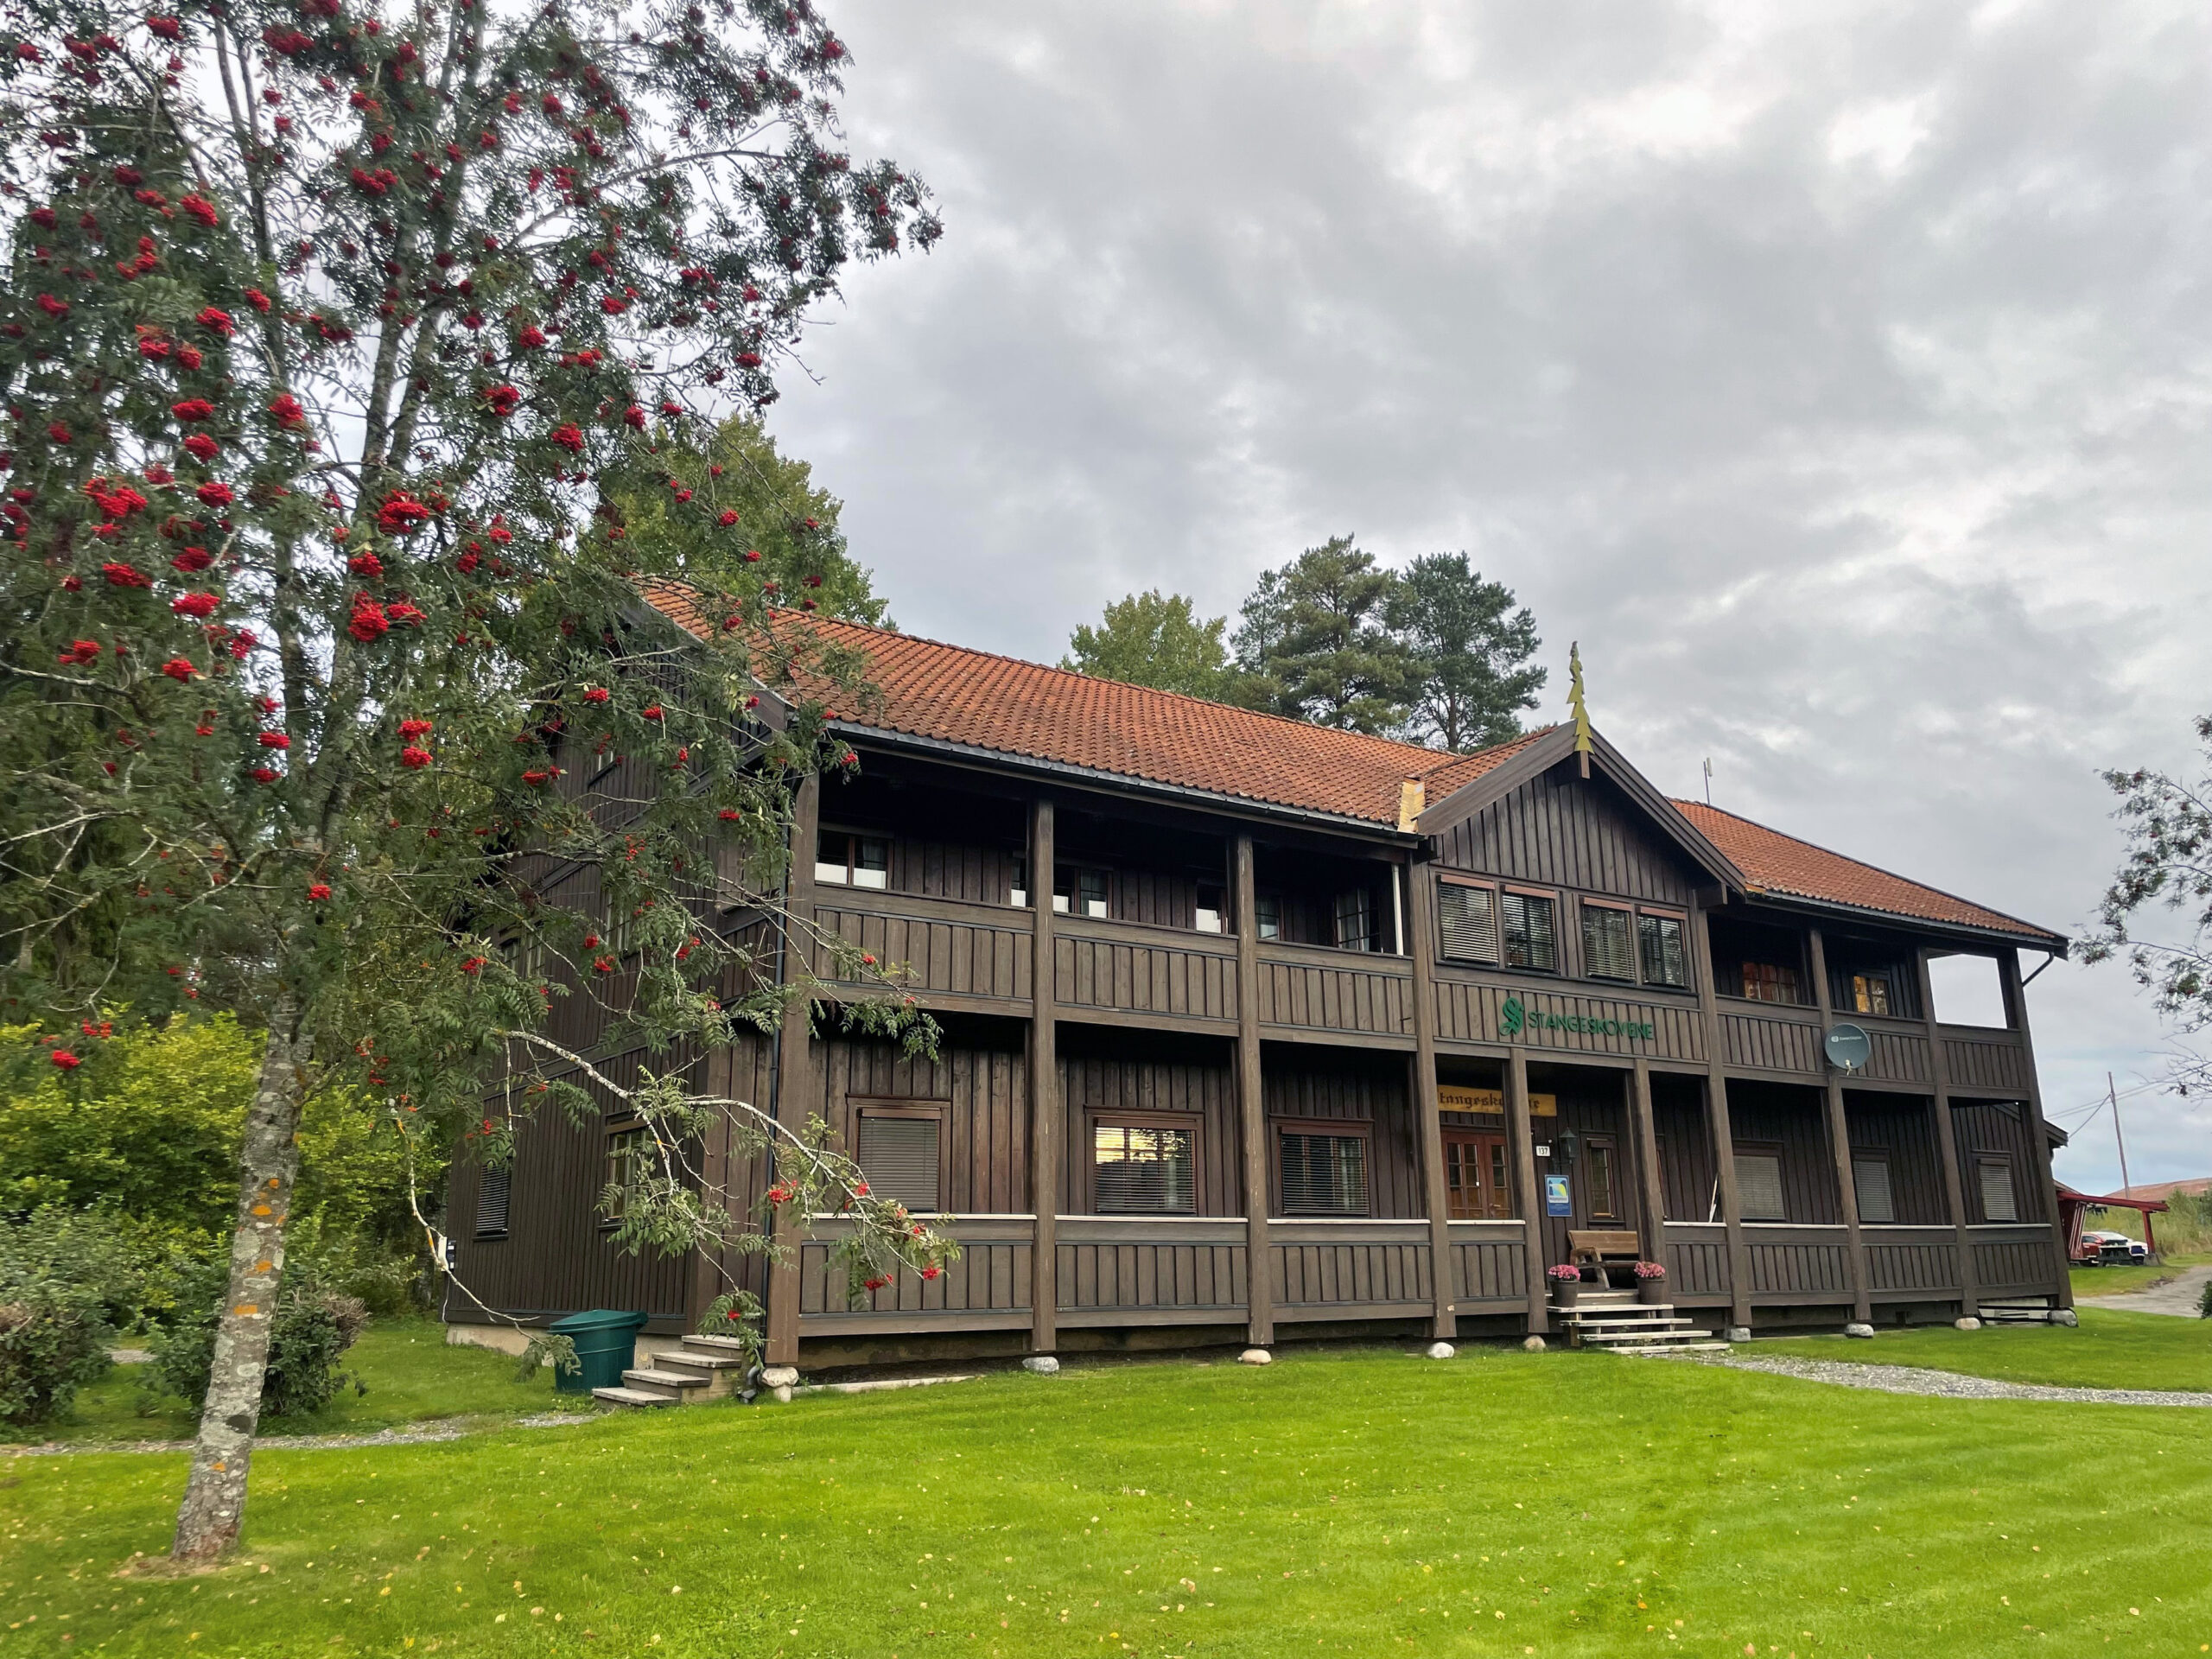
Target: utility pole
<point>2111,1098</point>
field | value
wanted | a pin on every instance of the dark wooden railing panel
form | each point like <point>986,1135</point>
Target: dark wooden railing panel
<point>1906,1262</point>
<point>1113,1272</point>
<point>1489,1264</point>
<point>1898,1056</point>
<point>954,957</point>
<point>1138,969</point>
<point>1697,1259</point>
<point>1471,1010</point>
<point>1992,1061</point>
<point>1335,990</point>
<point>1795,1264</point>
<point>1350,1270</point>
<point>2009,1259</point>
<point>987,1286</point>
<point>1769,1042</point>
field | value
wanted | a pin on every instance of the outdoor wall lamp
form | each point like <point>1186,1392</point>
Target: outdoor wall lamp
<point>1565,1145</point>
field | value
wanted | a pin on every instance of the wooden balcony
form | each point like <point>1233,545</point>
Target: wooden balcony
<point>1797,1262</point>
<point>1490,1266</point>
<point>1351,1269</point>
<point>1910,1263</point>
<point>1165,975</point>
<point>1152,1270</point>
<point>1359,995</point>
<point>986,1289</point>
<point>959,955</point>
<point>1697,1261</point>
<point>2014,1258</point>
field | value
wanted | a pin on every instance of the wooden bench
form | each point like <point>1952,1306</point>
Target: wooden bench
<point>1602,1251</point>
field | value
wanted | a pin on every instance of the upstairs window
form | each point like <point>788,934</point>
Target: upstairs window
<point>1210,907</point>
<point>1268,919</point>
<point>1870,993</point>
<point>1467,916</point>
<point>1018,896</point>
<point>494,1190</point>
<point>1355,917</point>
<point>1142,1168</point>
<point>1323,1173</point>
<point>1531,935</point>
<point>1607,953</point>
<point>1660,940</point>
<point>1768,981</point>
<point>849,861</point>
<point>1079,891</point>
<point>899,1151</point>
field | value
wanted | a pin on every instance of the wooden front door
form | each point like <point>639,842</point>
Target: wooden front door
<point>1478,1177</point>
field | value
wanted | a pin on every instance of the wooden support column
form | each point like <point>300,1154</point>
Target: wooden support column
<point>1520,1133</point>
<point>1839,1123</point>
<point>1044,1091</point>
<point>1421,916</point>
<point>1716,1118</point>
<point>2016,1013</point>
<point>795,1074</point>
<point>1654,1197</point>
<point>1947,1146</point>
<point>1252,1106</point>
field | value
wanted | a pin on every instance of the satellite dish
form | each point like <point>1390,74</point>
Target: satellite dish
<point>1848,1047</point>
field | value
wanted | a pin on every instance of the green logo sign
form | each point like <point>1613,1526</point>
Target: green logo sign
<point>1515,1017</point>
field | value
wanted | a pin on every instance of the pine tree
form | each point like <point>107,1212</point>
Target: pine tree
<point>328,697</point>
<point>1470,649</point>
<point>1313,643</point>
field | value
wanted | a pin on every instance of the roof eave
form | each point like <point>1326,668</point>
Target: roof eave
<point>2029,937</point>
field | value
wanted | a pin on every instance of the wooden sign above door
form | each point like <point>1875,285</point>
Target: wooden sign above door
<point>1458,1097</point>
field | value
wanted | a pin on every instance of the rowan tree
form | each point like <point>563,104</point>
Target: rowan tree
<point>320,325</point>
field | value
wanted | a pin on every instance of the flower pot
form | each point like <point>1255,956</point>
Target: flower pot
<point>1566,1292</point>
<point>1651,1292</point>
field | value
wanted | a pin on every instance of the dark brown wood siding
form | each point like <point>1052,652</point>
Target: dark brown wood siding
<point>1780,1115</point>
<point>1903,1128</point>
<point>1127,1071</point>
<point>1998,1127</point>
<point>1686,1167</point>
<point>1563,830</point>
<point>1361,1086</point>
<point>980,1079</point>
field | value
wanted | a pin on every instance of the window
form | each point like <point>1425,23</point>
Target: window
<point>1767,982</point>
<point>1605,950</point>
<point>1356,920</point>
<point>1082,892</point>
<point>898,1148</point>
<point>1661,938</point>
<point>1531,940</point>
<point>1998,1202</point>
<point>1019,896</point>
<point>1208,919</point>
<point>1269,917</point>
<point>1758,1186</point>
<point>1323,1173</point>
<point>1476,1184</point>
<point>1870,1178</point>
<point>1467,916</point>
<point>1603,1204</point>
<point>1870,993</point>
<point>630,1168</point>
<point>494,1187</point>
<point>1141,1169</point>
<point>848,860</point>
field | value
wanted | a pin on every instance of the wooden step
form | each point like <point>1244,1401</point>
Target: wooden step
<point>674,1384</point>
<point>1620,1339</point>
<point>633,1397</point>
<point>1714,1347</point>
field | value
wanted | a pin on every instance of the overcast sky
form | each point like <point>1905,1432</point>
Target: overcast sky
<point>1838,376</point>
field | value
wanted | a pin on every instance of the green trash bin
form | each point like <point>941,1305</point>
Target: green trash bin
<point>605,1340</point>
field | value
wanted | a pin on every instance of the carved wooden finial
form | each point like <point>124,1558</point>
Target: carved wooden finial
<point>1583,747</point>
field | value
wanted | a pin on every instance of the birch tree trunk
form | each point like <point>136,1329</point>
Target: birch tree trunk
<point>213,1509</point>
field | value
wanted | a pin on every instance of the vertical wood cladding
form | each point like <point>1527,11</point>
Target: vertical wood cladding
<point>1563,830</point>
<point>962,958</point>
<point>1900,1266</point>
<point>1903,1130</point>
<point>1126,1072</point>
<point>1332,998</point>
<point>1697,1261</point>
<point>1765,1117</point>
<point>1686,1183</point>
<point>1358,1087</point>
<point>1770,1044</point>
<point>2012,1264</point>
<point>980,1081</point>
<point>1140,977</point>
<point>1985,1062</point>
<point>2000,1129</point>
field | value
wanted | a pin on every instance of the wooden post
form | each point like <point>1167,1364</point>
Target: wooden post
<point>1838,1124</point>
<point>1947,1145</point>
<point>1044,1091</point>
<point>794,1073</point>
<point>1716,1118</point>
<point>1252,1106</point>
<point>1420,912</point>
<point>1520,1133</point>
<point>2016,1011</point>
<point>1647,1162</point>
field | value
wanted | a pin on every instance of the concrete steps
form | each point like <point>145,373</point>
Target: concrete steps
<point>635,1397</point>
<point>1618,1323</point>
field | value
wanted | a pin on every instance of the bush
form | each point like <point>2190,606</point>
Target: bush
<point>49,1350</point>
<point>63,1277</point>
<point>2204,1302</point>
<point>314,1326</point>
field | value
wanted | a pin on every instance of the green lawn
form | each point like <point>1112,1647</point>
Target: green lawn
<point>1364,1502</point>
<point>2119,1282</point>
<point>2110,1351</point>
<point>411,1375</point>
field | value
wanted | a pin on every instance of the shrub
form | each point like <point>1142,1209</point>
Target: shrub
<point>49,1348</point>
<point>2204,1302</point>
<point>63,1275</point>
<point>314,1326</point>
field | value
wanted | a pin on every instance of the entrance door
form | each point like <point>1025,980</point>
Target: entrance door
<point>1476,1177</point>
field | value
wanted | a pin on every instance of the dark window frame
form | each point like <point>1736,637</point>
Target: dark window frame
<point>1481,1139</point>
<point>863,1107</point>
<point>1550,898</point>
<point>1354,1128</point>
<point>619,1134</point>
<point>1761,1149</point>
<point>853,840</point>
<point>486,1175</point>
<point>1985,1159</point>
<point>1446,880</point>
<point>1874,1155</point>
<point>1108,1118</point>
<point>1586,908</point>
<point>1682,923</point>
<point>1612,1144</point>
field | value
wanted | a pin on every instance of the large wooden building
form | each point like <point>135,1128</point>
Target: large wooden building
<point>1256,1030</point>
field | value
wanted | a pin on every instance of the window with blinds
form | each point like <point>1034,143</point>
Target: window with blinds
<point>1607,953</point>
<point>1468,919</point>
<point>1323,1174</point>
<point>1758,1186</point>
<point>1997,1200</point>
<point>1143,1169</point>
<point>494,1189</point>
<point>899,1157</point>
<point>1869,1177</point>
<point>1661,938</point>
<point>1531,938</point>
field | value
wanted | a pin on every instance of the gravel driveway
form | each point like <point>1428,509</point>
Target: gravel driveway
<point>2181,1294</point>
<point>1913,1379</point>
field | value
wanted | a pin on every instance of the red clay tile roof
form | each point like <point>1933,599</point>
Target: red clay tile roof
<point>1782,864</point>
<point>1001,704</point>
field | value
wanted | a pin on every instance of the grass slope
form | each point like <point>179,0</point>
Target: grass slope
<point>408,1372</point>
<point>1362,1503</point>
<point>2111,1351</point>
